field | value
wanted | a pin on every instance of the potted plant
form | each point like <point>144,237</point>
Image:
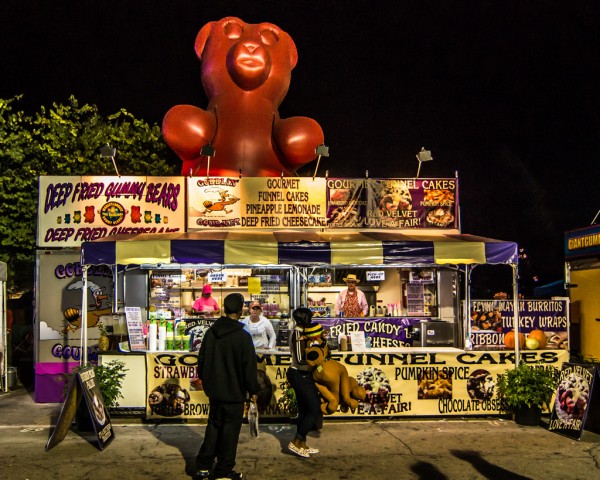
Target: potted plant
<point>526,390</point>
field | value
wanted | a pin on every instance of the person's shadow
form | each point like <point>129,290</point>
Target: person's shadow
<point>427,471</point>
<point>485,468</point>
<point>193,434</point>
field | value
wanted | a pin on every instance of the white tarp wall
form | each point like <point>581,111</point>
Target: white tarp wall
<point>3,327</point>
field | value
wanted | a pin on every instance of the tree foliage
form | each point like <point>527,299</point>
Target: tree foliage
<point>63,139</point>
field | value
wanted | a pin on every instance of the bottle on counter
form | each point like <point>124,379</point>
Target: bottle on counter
<point>152,335</point>
<point>372,311</point>
<point>162,335</point>
<point>170,336</point>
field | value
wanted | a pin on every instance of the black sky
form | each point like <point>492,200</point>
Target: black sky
<point>506,93</point>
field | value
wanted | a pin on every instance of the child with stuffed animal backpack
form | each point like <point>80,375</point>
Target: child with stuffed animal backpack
<point>300,377</point>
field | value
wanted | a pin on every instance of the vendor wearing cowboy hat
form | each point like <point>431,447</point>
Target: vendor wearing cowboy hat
<point>351,301</point>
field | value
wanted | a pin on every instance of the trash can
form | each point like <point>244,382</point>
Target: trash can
<point>11,378</point>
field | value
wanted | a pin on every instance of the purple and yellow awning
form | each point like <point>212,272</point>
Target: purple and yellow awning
<point>299,248</point>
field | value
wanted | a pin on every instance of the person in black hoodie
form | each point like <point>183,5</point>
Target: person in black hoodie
<point>227,369</point>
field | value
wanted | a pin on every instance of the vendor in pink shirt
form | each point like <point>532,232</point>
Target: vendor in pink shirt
<point>206,304</point>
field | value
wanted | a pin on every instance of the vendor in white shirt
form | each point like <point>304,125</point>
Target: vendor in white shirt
<point>259,327</point>
<point>351,301</point>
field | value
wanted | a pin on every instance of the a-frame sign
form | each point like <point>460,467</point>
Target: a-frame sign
<point>83,385</point>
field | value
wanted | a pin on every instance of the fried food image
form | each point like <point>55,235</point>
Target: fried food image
<point>487,321</point>
<point>340,195</point>
<point>572,397</point>
<point>377,386</point>
<point>481,385</point>
<point>168,399</point>
<point>438,197</point>
<point>344,217</point>
<point>434,384</point>
<point>558,341</point>
<point>440,217</point>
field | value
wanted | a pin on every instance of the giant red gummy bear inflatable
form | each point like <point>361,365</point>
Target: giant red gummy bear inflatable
<point>245,71</point>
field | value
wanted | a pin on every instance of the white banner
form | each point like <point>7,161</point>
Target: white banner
<point>75,209</point>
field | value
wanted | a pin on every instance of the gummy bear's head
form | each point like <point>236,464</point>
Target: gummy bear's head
<point>238,57</point>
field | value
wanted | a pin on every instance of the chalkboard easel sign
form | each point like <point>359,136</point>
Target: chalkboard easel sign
<point>577,403</point>
<point>84,386</point>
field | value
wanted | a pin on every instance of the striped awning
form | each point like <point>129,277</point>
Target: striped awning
<point>298,248</point>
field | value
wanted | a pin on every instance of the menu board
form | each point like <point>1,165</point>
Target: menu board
<point>135,328</point>
<point>165,289</point>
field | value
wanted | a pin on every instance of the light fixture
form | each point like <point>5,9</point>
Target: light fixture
<point>321,151</point>
<point>423,156</point>
<point>208,151</point>
<point>106,151</point>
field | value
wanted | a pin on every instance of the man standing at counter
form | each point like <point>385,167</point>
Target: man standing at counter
<point>351,302</point>
<point>227,368</point>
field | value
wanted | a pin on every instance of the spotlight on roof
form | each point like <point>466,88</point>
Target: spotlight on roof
<point>423,156</point>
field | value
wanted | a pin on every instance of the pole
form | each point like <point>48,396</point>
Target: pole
<point>516,314</point>
<point>84,301</point>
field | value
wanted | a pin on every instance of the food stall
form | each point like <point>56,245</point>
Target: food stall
<point>143,247</point>
<point>582,277</point>
<point>404,377</point>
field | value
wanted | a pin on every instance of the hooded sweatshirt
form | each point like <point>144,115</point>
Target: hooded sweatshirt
<point>227,362</point>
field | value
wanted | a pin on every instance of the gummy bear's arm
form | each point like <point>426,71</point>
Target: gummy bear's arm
<point>186,129</point>
<point>297,138</point>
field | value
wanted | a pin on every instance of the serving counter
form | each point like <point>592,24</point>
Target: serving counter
<point>417,381</point>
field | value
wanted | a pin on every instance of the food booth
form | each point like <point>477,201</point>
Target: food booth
<point>406,376</point>
<point>424,348</point>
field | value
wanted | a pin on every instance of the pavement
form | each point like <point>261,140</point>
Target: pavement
<point>415,448</point>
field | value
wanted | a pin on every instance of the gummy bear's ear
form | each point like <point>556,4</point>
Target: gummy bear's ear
<point>201,38</point>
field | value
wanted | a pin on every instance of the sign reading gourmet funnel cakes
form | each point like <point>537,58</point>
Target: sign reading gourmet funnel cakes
<point>377,386</point>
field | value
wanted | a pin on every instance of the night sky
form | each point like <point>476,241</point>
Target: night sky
<point>506,93</point>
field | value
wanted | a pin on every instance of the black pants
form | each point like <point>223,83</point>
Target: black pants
<point>307,396</point>
<point>221,437</point>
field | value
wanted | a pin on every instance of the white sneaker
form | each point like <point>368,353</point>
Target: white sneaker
<point>302,452</point>
<point>312,450</point>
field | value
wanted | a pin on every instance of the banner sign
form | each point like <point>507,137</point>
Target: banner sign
<point>74,209</point>
<point>256,202</point>
<point>582,242</point>
<point>404,383</point>
<point>573,400</point>
<point>280,203</point>
<point>492,319</point>
<point>393,203</point>
<point>384,332</point>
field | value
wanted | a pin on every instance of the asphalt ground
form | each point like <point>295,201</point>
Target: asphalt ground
<point>415,448</point>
